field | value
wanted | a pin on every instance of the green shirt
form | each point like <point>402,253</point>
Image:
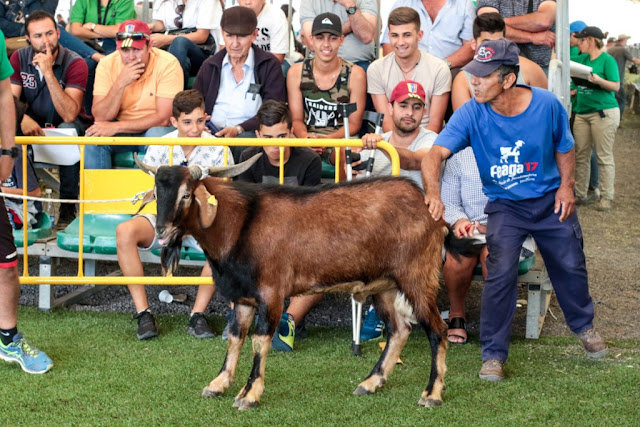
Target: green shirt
<point>591,99</point>
<point>84,11</point>
<point>6,70</point>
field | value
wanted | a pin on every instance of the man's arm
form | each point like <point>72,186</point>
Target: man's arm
<point>540,20</point>
<point>532,73</point>
<point>565,201</point>
<point>431,165</point>
<point>159,118</point>
<point>460,91</point>
<point>362,25</point>
<point>540,37</point>
<point>199,36</point>
<point>437,111</point>
<point>462,56</point>
<point>381,104</point>
<point>7,127</point>
<point>67,102</point>
<point>296,107</point>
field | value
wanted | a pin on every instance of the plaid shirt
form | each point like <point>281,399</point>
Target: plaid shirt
<point>461,189</point>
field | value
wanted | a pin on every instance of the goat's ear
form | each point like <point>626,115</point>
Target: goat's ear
<point>235,170</point>
<point>151,170</point>
<point>208,206</point>
<point>149,197</point>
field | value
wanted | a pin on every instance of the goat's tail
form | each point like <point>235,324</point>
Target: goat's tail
<point>467,246</point>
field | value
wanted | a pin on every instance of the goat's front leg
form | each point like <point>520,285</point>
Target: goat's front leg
<point>268,319</point>
<point>238,329</point>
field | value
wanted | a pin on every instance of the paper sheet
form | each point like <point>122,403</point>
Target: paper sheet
<point>580,70</point>
<point>64,155</point>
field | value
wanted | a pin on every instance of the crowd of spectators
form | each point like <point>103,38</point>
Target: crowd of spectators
<point>95,67</point>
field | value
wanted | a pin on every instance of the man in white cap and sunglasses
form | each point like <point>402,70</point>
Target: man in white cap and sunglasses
<point>133,92</point>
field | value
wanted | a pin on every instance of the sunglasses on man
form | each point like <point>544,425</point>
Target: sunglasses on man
<point>132,36</point>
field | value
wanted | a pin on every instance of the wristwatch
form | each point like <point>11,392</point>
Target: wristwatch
<point>351,10</point>
<point>13,152</point>
<point>448,63</point>
<point>93,26</point>
<point>239,129</point>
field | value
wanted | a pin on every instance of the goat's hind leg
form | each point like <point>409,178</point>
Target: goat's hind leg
<point>238,329</point>
<point>436,333</point>
<point>398,330</point>
<point>268,320</point>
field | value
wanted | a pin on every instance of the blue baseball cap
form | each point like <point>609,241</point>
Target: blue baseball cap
<point>577,26</point>
<point>490,55</point>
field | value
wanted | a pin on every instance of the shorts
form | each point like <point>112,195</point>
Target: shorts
<point>187,241</point>
<point>8,252</point>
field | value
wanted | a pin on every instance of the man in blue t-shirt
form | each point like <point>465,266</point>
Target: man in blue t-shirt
<point>524,150</point>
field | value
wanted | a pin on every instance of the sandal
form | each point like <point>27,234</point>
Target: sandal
<point>457,323</point>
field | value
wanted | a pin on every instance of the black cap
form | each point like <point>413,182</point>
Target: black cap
<point>594,32</point>
<point>239,21</point>
<point>327,23</point>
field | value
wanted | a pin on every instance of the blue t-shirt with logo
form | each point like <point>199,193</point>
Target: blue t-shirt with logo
<point>515,155</point>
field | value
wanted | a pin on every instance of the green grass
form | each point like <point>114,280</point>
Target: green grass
<point>104,376</point>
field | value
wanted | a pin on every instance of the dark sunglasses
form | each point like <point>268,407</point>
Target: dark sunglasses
<point>132,36</point>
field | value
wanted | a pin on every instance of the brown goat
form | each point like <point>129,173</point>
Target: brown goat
<point>265,243</point>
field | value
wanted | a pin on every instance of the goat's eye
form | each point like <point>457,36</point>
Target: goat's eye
<point>186,196</point>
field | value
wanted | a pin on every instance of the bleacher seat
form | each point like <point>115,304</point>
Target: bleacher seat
<point>41,230</point>
<point>99,233</point>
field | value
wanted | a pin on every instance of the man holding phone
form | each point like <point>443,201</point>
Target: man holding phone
<point>133,92</point>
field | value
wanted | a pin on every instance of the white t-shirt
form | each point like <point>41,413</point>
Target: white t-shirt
<point>203,155</point>
<point>432,73</point>
<point>272,30</point>
<point>201,14</point>
<point>382,164</point>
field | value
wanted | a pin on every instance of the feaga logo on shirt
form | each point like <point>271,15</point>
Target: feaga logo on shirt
<point>510,171</point>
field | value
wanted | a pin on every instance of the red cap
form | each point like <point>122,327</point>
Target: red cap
<point>408,89</point>
<point>133,33</point>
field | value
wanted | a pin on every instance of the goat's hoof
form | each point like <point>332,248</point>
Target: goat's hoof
<point>207,392</point>
<point>429,403</point>
<point>361,391</point>
<point>244,404</point>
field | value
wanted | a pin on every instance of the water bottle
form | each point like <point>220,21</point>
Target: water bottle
<point>48,205</point>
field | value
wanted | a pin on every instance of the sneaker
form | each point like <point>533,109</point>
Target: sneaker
<point>593,343</point>
<point>225,331</point>
<point>584,202</point>
<point>30,358</point>
<point>146,325</point>
<point>604,205</point>
<point>492,370</point>
<point>371,327</point>
<point>198,326</point>
<point>593,194</point>
<point>66,216</point>
<point>285,334</point>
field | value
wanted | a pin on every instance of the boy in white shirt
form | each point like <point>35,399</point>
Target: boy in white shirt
<point>139,232</point>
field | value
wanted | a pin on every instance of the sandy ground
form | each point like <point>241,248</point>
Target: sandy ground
<point>612,244</point>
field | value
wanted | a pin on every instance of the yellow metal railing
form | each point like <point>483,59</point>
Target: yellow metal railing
<point>81,279</point>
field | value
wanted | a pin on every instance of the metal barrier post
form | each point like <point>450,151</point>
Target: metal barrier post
<point>45,294</point>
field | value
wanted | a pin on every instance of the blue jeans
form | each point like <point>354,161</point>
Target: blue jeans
<point>560,244</point>
<point>99,156</point>
<point>189,55</point>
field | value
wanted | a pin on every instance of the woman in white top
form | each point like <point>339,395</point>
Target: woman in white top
<point>189,29</point>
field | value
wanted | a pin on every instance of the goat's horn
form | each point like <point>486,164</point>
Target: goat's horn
<point>151,170</point>
<point>223,171</point>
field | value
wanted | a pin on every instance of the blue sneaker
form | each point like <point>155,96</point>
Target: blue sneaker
<point>285,334</point>
<point>30,358</point>
<point>371,327</point>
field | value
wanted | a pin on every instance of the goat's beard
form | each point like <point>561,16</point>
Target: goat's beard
<point>170,257</point>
